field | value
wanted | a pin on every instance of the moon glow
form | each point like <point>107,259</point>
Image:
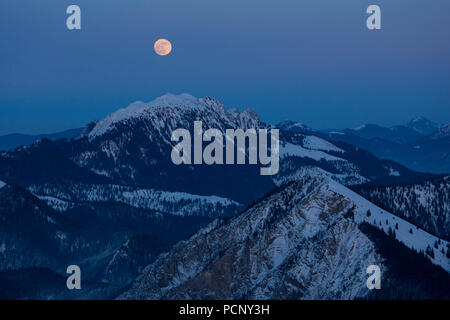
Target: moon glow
<point>163,47</point>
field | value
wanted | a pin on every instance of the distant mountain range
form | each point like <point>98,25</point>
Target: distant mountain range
<point>420,145</point>
<point>132,146</point>
<point>110,200</point>
<point>412,131</point>
<point>14,140</point>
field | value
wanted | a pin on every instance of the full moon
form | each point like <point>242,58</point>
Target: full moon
<point>163,47</point>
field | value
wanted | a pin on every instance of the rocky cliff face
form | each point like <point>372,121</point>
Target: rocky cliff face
<point>301,242</point>
<point>294,244</point>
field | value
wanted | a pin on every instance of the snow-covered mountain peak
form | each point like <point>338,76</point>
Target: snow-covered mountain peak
<point>233,111</point>
<point>417,119</point>
<point>139,109</point>
<point>170,109</point>
<point>422,125</point>
<point>251,114</point>
<point>170,99</point>
<point>133,110</point>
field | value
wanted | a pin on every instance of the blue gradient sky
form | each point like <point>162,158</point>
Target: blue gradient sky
<point>312,61</point>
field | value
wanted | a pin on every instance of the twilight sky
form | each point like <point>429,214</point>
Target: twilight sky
<point>312,61</point>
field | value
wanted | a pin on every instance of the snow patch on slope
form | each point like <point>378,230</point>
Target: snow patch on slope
<point>316,143</point>
<point>351,178</point>
<point>176,203</point>
<point>55,203</point>
<point>393,172</point>
<point>359,127</point>
<point>418,240</point>
<point>288,149</point>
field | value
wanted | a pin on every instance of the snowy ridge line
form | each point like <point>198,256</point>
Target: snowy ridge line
<point>177,203</point>
<point>288,149</point>
<point>410,201</point>
<point>138,108</point>
<point>175,104</point>
<point>316,143</point>
<point>352,178</point>
<point>419,240</point>
<point>55,203</point>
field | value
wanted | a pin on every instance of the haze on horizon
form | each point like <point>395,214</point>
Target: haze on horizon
<point>311,62</point>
